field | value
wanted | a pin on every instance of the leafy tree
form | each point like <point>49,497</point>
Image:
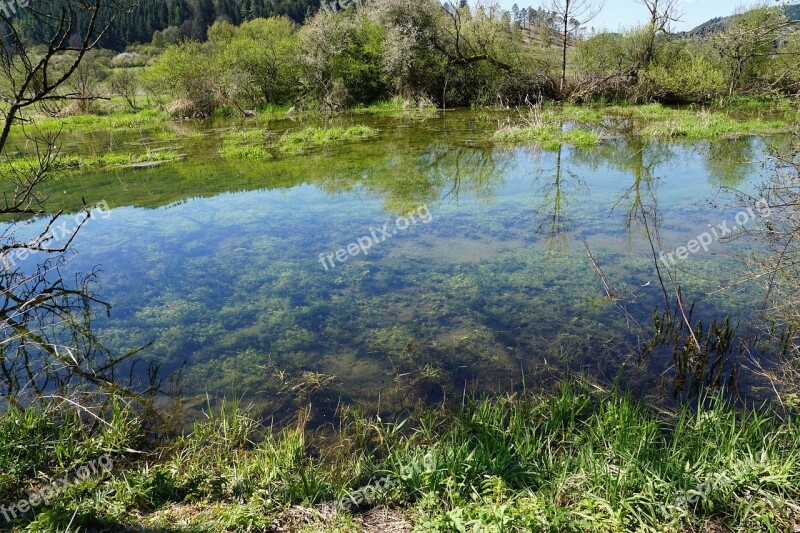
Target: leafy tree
<point>662,14</point>
<point>680,74</point>
<point>258,59</point>
<point>124,83</point>
<point>749,43</point>
<point>183,72</point>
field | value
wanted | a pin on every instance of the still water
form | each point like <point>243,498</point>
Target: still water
<point>228,268</point>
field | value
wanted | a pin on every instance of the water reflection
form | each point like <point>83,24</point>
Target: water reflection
<point>490,291</point>
<point>728,161</point>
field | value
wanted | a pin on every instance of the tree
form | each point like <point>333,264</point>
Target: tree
<point>45,320</point>
<point>341,58</point>
<point>125,83</point>
<point>85,81</point>
<point>749,42</point>
<point>257,60</point>
<point>578,12</point>
<point>183,72</point>
<point>662,14</point>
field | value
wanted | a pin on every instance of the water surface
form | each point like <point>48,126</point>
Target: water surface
<point>217,262</point>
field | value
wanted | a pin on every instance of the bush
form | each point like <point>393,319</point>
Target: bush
<point>686,79</point>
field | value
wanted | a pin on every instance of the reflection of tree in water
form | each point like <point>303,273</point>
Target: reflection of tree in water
<point>48,350</point>
<point>728,161</point>
<point>48,344</point>
<point>704,350</point>
<point>457,170</point>
<point>559,187</point>
<point>634,156</point>
<point>407,178</point>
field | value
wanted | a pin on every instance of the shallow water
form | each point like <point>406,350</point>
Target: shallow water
<point>217,262</point>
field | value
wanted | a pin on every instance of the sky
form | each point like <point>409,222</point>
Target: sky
<point>617,14</point>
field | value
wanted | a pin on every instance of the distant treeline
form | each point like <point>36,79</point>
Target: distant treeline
<point>139,22</point>
<point>432,54</point>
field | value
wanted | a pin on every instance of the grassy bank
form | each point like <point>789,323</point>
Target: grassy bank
<point>114,120</point>
<point>657,120</point>
<point>544,127</point>
<point>577,460</point>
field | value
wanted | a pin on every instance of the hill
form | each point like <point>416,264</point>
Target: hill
<point>718,23</point>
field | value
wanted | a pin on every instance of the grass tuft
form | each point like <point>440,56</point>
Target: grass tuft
<point>548,136</point>
<point>311,137</point>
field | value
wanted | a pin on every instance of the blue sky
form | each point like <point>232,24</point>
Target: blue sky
<point>627,13</point>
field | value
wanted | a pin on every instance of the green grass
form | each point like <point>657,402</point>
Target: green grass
<point>254,144</point>
<point>311,137</point>
<point>662,121</point>
<point>652,120</point>
<point>548,136</point>
<point>244,144</point>
<point>572,461</point>
<point>71,162</point>
<point>692,125</point>
<point>92,122</point>
<point>395,106</point>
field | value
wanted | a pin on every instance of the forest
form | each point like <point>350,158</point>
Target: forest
<point>219,59</point>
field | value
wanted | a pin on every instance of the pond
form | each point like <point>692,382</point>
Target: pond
<point>420,265</point>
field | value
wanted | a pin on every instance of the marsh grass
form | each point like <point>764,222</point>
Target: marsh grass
<point>692,125</point>
<point>703,123</point>
<point>312,136</point>
<point>575,460</point>
<point>72,162</point>
<point>397,106</point>
<point>258,143</point>
<point>548,136</point>
<point>116,120</point>
<point>244,144</point>
<point>651,120</point>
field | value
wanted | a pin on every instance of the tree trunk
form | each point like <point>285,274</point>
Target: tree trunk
<point>564,45</point>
